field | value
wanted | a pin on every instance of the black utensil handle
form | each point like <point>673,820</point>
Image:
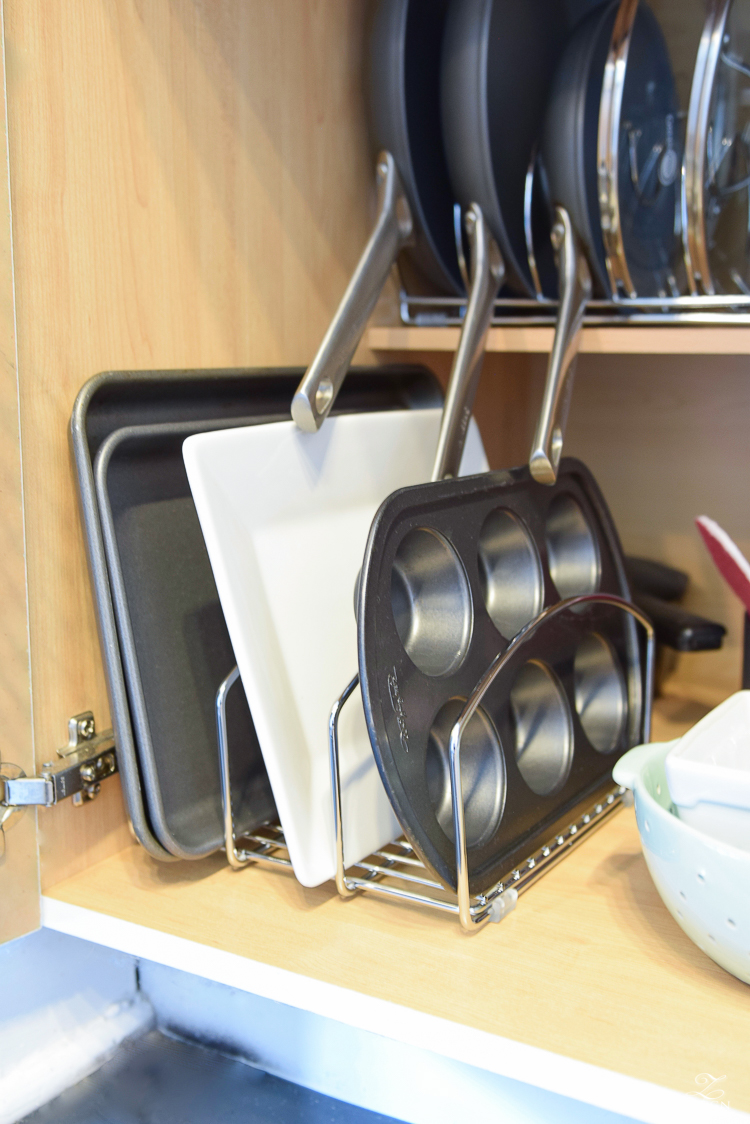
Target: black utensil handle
<point>322,381</point>
<point>655,579</point>
<point>679,629</point>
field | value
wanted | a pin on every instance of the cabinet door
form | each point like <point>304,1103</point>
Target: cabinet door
<point>19,859</point>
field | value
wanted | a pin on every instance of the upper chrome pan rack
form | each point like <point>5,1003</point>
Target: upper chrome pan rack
<point>717,310</point>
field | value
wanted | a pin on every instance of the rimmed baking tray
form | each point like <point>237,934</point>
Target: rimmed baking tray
<point>164,640</point>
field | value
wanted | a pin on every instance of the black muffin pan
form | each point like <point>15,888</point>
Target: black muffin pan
<point>164,640</point>
<point>452,572</point>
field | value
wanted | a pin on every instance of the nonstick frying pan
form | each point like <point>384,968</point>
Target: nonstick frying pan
<point>610,151</point>
<point>497,65</point>
<point>415,208</point>
<point>498,60</point>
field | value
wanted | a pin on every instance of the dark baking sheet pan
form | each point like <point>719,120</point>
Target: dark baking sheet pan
<point>163,635</point>
<point>174,644</point>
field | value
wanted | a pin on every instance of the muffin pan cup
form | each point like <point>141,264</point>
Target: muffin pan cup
<point>427,637</point>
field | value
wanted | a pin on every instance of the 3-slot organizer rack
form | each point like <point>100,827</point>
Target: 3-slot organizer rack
<point>396,871</point>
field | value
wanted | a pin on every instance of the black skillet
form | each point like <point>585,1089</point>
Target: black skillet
<point>498,60</point>
<point>611,155</point>
<point>415,220</point>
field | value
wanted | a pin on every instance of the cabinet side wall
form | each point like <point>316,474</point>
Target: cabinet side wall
<point>191,187</point>
<point>19,861</point>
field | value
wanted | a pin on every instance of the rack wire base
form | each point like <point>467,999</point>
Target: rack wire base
<point>396,871</point>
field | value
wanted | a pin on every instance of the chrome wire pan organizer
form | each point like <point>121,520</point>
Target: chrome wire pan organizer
<point>717,310</point>
<point>396,871</point>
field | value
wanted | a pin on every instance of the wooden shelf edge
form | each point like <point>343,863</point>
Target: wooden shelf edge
<point>646,340</point>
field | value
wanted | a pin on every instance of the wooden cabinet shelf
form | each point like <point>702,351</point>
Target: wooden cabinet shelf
<point>634,340</point>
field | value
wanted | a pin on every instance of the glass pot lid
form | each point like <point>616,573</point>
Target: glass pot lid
<point>717,169</point>
<point>639,158</point>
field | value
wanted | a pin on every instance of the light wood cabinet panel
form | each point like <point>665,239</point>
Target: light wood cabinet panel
<point>19,862</point>
<point>628,340</point>
<point>191,187</point>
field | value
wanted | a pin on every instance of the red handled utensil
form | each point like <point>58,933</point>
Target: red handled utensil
<point>735,569</point>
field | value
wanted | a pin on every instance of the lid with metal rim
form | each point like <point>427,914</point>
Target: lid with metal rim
<point>717,167</point>
<point>639,156</point>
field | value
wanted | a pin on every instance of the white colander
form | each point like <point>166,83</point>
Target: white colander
<point>704,883</point>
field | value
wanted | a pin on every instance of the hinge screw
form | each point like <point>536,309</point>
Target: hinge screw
<point>86,727</point>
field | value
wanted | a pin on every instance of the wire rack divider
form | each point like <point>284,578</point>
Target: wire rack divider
<point>395,870</point>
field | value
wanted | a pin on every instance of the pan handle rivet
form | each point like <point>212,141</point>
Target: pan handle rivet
<point>557,445</point>
<point>323,395</point>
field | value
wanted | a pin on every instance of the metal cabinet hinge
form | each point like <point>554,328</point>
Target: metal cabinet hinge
<point>80,768</point>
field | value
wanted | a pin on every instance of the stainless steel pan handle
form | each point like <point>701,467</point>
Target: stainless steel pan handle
<point>487,273</point>
<point>322,381</point>
<point>575,293</point>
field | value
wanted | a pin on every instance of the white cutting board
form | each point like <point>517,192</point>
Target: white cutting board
<point>285,516</point>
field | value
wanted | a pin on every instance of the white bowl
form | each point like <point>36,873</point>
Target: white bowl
<point>708,773</point>
<point>704,883</point>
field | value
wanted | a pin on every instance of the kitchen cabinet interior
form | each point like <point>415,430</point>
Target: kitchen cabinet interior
<point>191,186</point>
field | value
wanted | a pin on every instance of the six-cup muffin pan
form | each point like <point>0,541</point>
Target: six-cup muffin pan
<point>452,572</point>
